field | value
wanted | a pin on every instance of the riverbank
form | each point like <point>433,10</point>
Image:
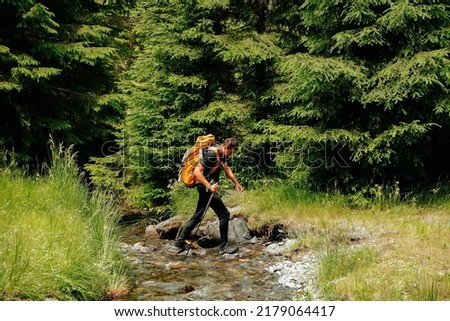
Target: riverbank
<point>390,249</point>
<point>58,241</point>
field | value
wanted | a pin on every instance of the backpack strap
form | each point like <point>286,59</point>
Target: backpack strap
<point>218,164</point>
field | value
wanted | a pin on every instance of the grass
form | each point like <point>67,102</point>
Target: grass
<point>57,240</point>
<point>387,249</point>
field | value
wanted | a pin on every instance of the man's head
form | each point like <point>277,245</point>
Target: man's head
<point>230,145</point>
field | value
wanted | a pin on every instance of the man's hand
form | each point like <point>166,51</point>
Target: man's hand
<point>214,188</point>
<point>239,188</point>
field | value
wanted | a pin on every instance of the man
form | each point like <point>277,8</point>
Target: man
<point>207,174</point>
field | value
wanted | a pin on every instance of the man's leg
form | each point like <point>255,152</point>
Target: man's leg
<point>203,197</point>
<point>224,218</point>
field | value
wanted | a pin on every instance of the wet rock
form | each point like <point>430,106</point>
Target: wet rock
<point>177,265</point>
<point>296,275</point>
<point>238,232</point>
<point>192,253</point>
<point>208,242</point>
<point>241,254</point>
<point>124,247</point>
<point>168,288</point>
<point>135,261</point>
<point>278,233</point>
<point>279,248</point>
<point>227,256</point>
<point>151,232</point>
<point>200,294</point>
<point>168,229</point>
<point>186,289</point>
<point>140,247</point>
<point>256,272</point>
<point>195,252</point>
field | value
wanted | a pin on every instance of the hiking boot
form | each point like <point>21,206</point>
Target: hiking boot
<point>227,249</point>
<point>182,246</point>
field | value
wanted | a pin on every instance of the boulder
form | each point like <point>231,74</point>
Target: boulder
<point>151,232</point>
<point>238,231</point>
<point>168,229</point>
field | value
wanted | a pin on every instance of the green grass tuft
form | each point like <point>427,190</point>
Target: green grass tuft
<point>57,240</point>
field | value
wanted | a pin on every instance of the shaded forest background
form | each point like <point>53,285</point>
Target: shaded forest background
<point>326,95</point>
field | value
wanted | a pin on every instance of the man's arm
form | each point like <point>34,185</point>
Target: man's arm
<point>229,173</point>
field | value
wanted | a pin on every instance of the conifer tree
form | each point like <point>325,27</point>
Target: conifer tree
<point>59,61</point>
<point>327,94</point>
<point>200,69</point>
<point>369,83</point>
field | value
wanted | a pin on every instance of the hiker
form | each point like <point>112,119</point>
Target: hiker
<point>208,170</point>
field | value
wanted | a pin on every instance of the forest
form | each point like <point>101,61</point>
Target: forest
<point>327,97</point>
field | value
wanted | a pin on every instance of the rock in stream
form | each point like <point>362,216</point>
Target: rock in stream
<point>258,272</point>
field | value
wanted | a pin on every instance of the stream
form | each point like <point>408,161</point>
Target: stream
<point>260,271</point>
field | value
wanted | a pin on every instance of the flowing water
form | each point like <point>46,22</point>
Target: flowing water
<point>162,274</point>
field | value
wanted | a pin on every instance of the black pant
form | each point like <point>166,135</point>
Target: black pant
<point>219,208</point>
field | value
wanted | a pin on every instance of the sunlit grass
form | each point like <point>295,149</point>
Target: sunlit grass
<point>388,249</point>
<point>57,240</point>
<point>339,262</point>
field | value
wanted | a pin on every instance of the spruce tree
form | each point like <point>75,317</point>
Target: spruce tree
<point>326,94</point>
<point>200,69</point>
<point>369,84</point>
<point>58,66</point>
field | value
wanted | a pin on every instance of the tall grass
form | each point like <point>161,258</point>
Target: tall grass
<point>57,240</point>
<point>338,262</point>
<point>388,248</point>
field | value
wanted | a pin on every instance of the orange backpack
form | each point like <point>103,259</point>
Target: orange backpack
<point>192,157</point>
